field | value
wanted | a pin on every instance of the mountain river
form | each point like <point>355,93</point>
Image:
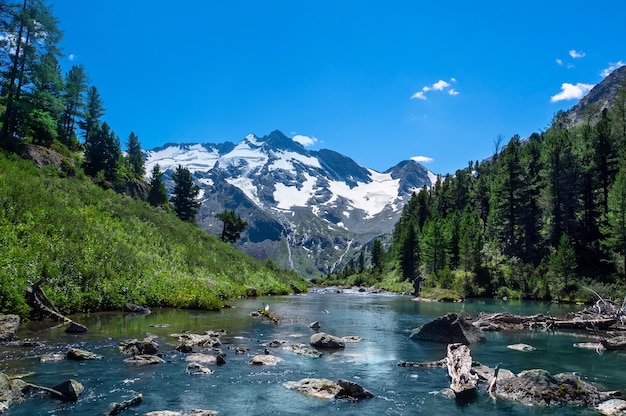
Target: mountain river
<point>383,321</point>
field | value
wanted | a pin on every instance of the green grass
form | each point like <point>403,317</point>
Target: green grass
<point>97,249</point>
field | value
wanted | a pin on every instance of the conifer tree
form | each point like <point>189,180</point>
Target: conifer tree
<point>377,255</point>
<point>103,152</point>
<point>134,155</point>
<point>184,196</point>
<point>74,101</point>
<point>157,196</point>
<point>234,226</point>
<point>94,110</point>
<point>30,33</point>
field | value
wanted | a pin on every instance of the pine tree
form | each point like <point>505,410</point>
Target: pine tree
<point>377,255</point>
<point>134,155</point>
<point>234,226</point>
<point>185,193</point>
<point>31,32</point>
<point>74,100</point>
<point>103,152</point>
<point>615,228</point>
<point>94,110</point>
<point>409,256</point>
<point>157,196</point>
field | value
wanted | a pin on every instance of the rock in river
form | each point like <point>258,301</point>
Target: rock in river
<point>451,328</point>
<point>265,360</point>
<point>9,325</point>
<point>326,341</point>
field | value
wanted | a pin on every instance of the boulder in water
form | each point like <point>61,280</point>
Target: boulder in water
<point>9,324</point>
<point>69,389</point>
<point>451,328</point>
<point>81,355</point>
<point>326,341</point>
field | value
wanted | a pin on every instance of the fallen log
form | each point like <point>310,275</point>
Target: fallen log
<point>600,323</point>
<point>37,299</point>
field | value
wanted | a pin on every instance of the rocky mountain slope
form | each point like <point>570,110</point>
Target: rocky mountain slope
<point>309,211</point>
<point>600,97</point>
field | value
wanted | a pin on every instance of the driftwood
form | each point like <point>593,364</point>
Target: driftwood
<point>581,323</point>
<point>40,302</point>
<point>37,299</point>
<point>462,380</point>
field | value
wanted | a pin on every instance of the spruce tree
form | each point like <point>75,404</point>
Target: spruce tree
<point>157,196</point>
<point>134,155</point>
<point>184,196</point>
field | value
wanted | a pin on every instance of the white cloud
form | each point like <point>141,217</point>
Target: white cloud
<point>576,54</point>
<point>571,92</point>
<point>71,56</point>
<point>304,140</point>
<point>612,67</point>
<point>440,85</point>
<point>559,62</point>
<point>422,159</point>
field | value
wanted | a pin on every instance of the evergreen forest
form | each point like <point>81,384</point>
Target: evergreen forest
<point>543,218</point>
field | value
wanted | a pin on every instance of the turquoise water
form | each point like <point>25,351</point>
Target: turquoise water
<point>383,321</point>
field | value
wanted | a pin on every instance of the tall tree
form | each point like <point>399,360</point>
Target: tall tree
<point>233,226</point>
<point>561,172</point>
<point>185,193</point>
<point>134,155</point>
<point>103,152</point>
<point>157,196</point>
<point>377,255</point>
<point>409,255</point>
<point>94,110</point>
<point>616,219</point>
<point>74,100</point>
<point>504,220</point>
<point>29,31</point>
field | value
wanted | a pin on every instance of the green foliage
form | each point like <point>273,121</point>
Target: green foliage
<point>157,196</point>
<point>103,152</point>
<point>233,226</point>
<point>97,249</point>
<point>185,193</point>
<point>134,155</point>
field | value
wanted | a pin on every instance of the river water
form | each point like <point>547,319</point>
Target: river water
<point>383,321</point>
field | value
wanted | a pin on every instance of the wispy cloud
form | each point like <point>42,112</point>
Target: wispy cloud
<point>422,159</point>
<point>571,92</point>
<point>612,67</point>
<point>576,54</point>
<point>559,62</point>
<point>305,141</point>
<point>440,85</point>
<point>71,56</point>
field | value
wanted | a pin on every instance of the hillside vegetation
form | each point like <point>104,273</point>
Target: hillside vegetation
<point>97,249</point>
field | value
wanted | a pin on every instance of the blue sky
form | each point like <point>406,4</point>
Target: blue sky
<point>380,82</point>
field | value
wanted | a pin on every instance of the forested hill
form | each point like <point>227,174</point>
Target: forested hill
<point>544,218</point>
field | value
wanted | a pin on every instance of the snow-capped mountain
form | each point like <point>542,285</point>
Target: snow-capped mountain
<point>306,210</point>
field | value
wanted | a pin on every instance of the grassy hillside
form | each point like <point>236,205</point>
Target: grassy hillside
<point>98,249</point>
